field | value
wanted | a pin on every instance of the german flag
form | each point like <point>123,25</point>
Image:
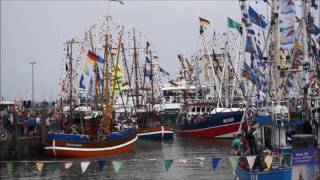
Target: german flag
<point>92,58</point>
<point>203,21</point>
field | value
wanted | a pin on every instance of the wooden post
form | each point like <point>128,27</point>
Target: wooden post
<point>44,130</point>
<point>16,152</point>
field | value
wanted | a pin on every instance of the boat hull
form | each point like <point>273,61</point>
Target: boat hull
<point>64,148</point>
<point>283,174</point>
<point>216,125</point>
<point>156,133</point>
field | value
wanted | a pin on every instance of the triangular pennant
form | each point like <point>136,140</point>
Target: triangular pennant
<point>287,159</point>
<point>9,167</point>
<point>201,160</point>
<point>184,161</point>
<point>116,166</point>
<point>168,163</point>
<point>152,159</point>
<point>233,161</point>
<point>251,160</point>
<point>39,165</point>
<point>67,165</point>
<point>268,159</point>
<point>53,166</point>
<point>84,166</point>
<point>215,161</point>
<point>101,164</point>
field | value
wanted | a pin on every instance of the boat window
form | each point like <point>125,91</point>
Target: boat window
<point>193,109</point>
<point>198,109</point>
<point>203,109</point>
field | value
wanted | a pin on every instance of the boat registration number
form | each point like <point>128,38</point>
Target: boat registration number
<point>74,145</point>
<point>228,120</point>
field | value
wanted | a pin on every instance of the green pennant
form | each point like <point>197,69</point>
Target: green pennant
<point>167,164</point>
<point>9,167</point>
<point>233,24</point>
<point>233,161</point>
<point>53,166</point>
<point>116,166</point>
<point>286,159</point>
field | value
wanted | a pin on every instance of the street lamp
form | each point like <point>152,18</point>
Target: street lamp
<point>32,63</point>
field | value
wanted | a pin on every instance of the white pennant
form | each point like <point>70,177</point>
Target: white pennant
<point>84,166</point>
<point>67,165</point>
<point>184,161</point>
<point>268,160</point>
<point>39,166</point>
<point>251,160</point>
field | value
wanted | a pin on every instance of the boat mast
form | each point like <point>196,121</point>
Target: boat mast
<point>106,127</point>
<point>135,59</point>
<point>204,42</point>
<point>69,52</point>
<point>151,74</point>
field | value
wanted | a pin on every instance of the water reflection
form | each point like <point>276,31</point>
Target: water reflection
<point>145,162</point>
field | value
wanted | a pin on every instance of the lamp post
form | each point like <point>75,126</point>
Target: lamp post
<point>32,63</point>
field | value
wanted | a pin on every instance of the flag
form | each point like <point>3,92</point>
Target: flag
<point>118,76</point>
<point>251,160</point>
<point>255,18</point>
<point>116,166</point>
<point>167,164</point>
<point>90,87</point>
<point>101,164</point>
<point>233,24</point>
<point>9,167</point>
<point>268,160</point>
<point>314,4</point>
<point>250,31</point>
<point>84,166</point>
<point>39,165</point>
<point>67,165</point>
<point>286,25</point>
<point>248,73</point>
<point>147,73</point>
<point>97,79</point>
<point>81,85</point>
<point>249,46</point>
<point>215,161</point>
<point>53,166</point>
<point>201,160</point>
<point>233,161</point>
<point>203,21</point>
<point>147,60</point>
<point>164,72</point>
<point>93,58</point>
<point>184,161</point>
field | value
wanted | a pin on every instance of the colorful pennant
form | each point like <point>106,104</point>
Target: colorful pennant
<point>67,165</point>
<point>251,160</point>
<point>116,165</point>
<point>167,164</point>
<point>215,161</point>
<point>39,165</point>
<point>9,167</point>
<point>101,164</point>
<point>84,166</point>
<point>233,161</point>
<point>268,159</point>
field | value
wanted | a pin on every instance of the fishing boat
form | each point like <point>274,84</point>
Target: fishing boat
<point>287,106</point>
<point>104,138</point>
<point>215,109</point>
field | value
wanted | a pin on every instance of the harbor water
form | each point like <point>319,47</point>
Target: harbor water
<point>145,162</point>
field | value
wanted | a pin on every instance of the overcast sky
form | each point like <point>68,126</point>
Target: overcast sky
<point>36,31</point>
